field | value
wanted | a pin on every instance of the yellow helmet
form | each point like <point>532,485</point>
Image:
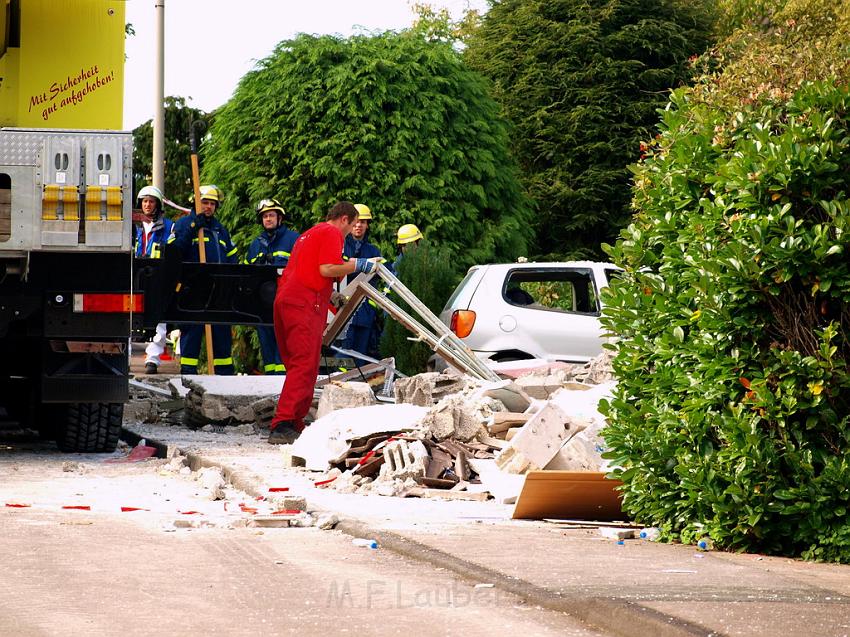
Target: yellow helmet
<point>267,205</point>
<point>363,211</point>
<point>408,233</point>
<point>211,192</point>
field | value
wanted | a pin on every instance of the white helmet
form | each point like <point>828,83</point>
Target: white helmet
<point>150,191</point>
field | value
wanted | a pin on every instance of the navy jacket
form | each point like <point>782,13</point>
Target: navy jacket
<point>367,312</point>
<point>160,232</point>
<point>219,248</point>
<point>272,248</point>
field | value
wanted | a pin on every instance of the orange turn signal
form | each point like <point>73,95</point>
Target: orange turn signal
<point>462,322</point>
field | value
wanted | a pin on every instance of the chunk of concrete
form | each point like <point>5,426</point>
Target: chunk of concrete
<point>328,440</point>
<point>337,395</point>
<point>213,482</point>
<point>427,389</point>
<point>538,440</point>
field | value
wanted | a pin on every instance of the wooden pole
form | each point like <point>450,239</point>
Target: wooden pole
<point>202,249</point>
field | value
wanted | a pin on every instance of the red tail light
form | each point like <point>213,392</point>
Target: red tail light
<point>462,322</point>
<point>122,303</point>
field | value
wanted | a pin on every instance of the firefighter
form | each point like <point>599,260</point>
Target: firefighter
<point>218,249</point>
<point>272,247</point>
<point>408,237</point>
<point>300,313</point>
<point>363,330</point>
<point>150,235</point>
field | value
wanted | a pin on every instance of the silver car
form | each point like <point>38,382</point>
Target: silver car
<point>511,311</point>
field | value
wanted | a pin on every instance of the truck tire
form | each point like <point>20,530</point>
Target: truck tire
<point>90,427</point>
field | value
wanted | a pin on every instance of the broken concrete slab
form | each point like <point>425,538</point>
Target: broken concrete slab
<point>327,440</point>
<point>427,389</point>
<point>336,395</point>
<point>538,440</point>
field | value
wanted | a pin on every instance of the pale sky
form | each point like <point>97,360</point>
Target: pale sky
<point>211,44</point>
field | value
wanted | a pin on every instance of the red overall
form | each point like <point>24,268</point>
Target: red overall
<point>300,316</point>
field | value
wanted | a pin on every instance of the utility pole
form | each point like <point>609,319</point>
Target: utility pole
<point>158,159</point>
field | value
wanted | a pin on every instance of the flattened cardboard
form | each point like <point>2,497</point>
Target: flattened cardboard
<point>577,495</point>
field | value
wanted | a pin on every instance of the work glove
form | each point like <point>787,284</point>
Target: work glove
<point>202,221</point>
<point>367,265</point>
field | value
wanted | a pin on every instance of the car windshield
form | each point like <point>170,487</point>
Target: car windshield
<point>562,290</point>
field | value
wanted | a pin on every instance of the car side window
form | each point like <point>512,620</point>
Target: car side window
<point>558,290</point>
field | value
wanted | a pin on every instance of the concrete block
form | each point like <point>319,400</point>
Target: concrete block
<point>404,459</point>
<point>343,395</point>
<point>537,442</point>
<point>427,389</point>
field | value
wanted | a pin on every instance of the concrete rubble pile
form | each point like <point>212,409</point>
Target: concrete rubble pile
<point>458,437</point>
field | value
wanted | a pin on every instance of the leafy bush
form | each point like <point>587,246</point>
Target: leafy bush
<point>731,414</point>
<point>428,272</point>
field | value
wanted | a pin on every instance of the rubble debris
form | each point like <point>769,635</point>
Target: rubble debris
<point>336,395</point>
<point>227,400</point>
<point>428,389</point>
<point>327,440</point>
<point>443,494</point>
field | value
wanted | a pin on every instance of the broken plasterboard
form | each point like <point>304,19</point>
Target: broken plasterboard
<point>581,495</point>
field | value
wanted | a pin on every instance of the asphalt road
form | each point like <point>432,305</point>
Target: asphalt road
<point>105,571</point>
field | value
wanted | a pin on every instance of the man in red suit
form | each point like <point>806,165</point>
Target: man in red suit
<point>300,313</point>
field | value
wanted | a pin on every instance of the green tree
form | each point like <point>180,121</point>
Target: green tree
<point>581,82</point>
<point>178,167</point>
<point>731,416</point>
<point>391,120</point>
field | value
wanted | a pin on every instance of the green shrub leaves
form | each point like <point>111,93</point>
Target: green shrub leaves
<point>731,416</point>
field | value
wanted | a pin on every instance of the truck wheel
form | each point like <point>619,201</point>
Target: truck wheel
<point>90,427</point>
